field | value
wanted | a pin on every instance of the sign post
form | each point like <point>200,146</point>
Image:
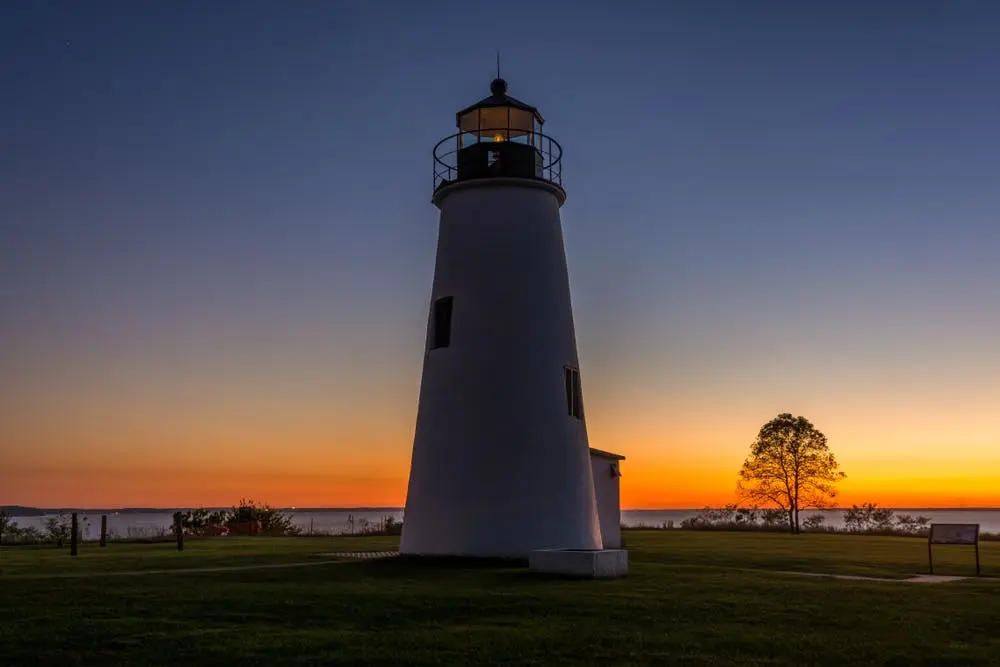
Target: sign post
<point>953,533</point>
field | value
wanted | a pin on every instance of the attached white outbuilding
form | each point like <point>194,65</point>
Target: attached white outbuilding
<point>606,470</point>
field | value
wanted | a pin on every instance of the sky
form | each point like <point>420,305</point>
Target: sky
<point>217,240</point>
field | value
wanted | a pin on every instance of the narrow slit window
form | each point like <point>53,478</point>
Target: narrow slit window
<point>441,332</point>
<point>577,396</point>
<point>574,398</point>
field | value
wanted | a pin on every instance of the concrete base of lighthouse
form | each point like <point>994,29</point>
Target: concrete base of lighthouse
<point>584,564</point>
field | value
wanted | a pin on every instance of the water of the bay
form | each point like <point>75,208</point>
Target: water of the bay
<point>147,524</point>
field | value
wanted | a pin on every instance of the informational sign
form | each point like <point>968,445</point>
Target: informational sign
<point>953,533</point>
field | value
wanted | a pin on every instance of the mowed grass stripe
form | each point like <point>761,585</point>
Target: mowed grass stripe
<point>677,606</point>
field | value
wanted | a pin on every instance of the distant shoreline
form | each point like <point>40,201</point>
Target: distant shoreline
<point>21,510</point>
<point>25,511</point>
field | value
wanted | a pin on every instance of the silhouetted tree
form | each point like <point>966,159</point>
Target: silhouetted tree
<point>790,467</point>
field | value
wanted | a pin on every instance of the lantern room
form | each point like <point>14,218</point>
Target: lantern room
<point>499,136</point>
<point>499,117</point>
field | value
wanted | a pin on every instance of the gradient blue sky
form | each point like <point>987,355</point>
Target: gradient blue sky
<point>216,240</point>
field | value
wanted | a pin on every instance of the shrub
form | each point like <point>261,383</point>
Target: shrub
<point>269,520</point>
<point>11,533</point>
<point>868,518</point>
<point>814,522</point>
<point>913,525</point>
<point>27,535</point>
<point>390,526</point>
<point>57,529</point>
<point>773,518</point>
<point>732,517</point>
<point>203,522</point>
<point>142,533</point>
<point>246,518</point>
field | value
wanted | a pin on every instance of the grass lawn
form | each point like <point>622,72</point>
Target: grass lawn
<point>691,598</point>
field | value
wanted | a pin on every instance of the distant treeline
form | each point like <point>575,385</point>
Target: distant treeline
<point>867,518</point>
<point>23,511</point>
<point>246,518</point>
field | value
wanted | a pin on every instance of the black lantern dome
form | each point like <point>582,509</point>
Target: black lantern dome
<point>498,137</point>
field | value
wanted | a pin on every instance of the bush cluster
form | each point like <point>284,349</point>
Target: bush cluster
<point>865,518</point>
<point>56,530</point>
<point>870,518</point>
<point>247,518</point>
<point>733,517</point>
<point>389,525</point>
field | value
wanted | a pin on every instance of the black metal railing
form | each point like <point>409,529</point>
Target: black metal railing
<point>548,165</point>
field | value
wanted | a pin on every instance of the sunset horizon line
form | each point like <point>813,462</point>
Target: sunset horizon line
<point>400,507</point>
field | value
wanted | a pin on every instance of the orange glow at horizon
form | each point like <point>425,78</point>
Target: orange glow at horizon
<point>649,482</point>
<point>659,473</point>
<point>310,442</point>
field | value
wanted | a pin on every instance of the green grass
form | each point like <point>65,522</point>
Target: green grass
<point>691,598</point>
<point>215,552</point>
<point>891,557</point>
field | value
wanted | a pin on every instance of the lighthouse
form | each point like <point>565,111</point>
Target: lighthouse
<point>501,464</point>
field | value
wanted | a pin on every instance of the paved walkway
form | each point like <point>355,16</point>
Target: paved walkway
<point>933,579</point>
<point>362,555</point>
<point>916,579</point>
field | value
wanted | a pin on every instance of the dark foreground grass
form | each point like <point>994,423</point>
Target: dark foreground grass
<point>863,555</point>
<point>684,602</point>
<point>198,553</point>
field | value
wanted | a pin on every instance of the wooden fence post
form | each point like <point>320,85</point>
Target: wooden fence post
<point>179,530</point>
<point>74,535</point>
<point>104,530</point>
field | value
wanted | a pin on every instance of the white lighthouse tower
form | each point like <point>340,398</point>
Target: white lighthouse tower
<point>501,464</point>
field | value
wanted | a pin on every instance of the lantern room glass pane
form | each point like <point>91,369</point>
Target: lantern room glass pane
<point>469,122</point>
<point>504,121</point>
<point>521,122</point>
<point>493,118</point>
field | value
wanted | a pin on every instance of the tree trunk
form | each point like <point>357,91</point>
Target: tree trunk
<point>791,520</point>
<point>797,529</point>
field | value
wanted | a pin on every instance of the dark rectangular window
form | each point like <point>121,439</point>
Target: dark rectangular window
<point>577,396</point>
<point>574,398</point>
<point>441,332</point>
